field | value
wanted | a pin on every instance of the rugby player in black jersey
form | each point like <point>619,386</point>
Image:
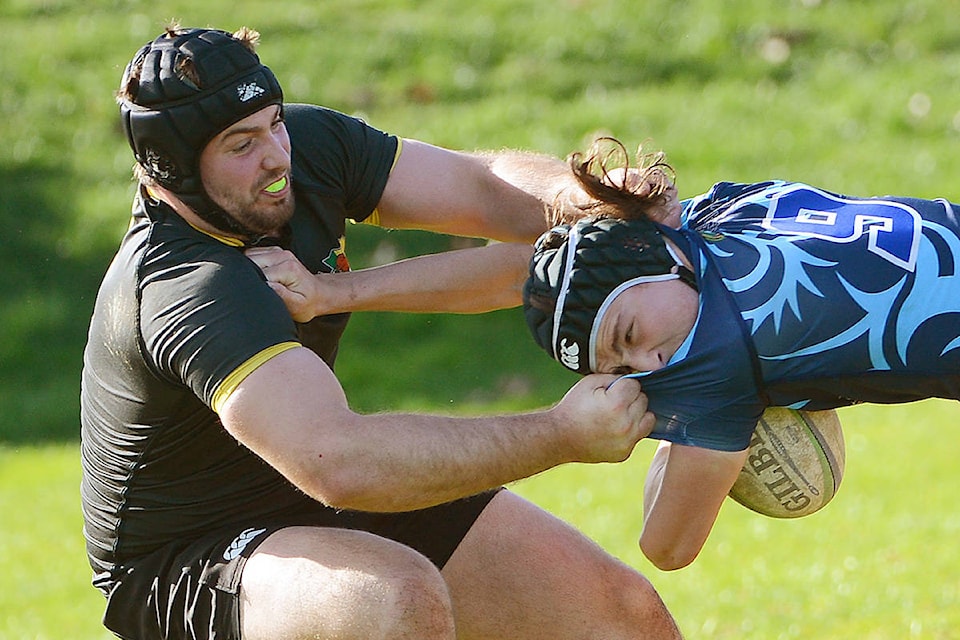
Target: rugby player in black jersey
<point>228,489</point>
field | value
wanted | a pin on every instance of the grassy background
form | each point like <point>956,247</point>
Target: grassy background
<point>880,562</point>
<point>854,96</point>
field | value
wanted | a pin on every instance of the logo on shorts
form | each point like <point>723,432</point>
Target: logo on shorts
<point>240,543</point>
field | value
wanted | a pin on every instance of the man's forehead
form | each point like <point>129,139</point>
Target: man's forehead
<point>612,322</point>
<point>252,123</point>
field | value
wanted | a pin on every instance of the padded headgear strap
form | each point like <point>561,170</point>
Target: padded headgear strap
<point>168,118</point>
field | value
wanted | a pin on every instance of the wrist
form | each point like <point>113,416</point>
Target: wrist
<point>561,432</point>
<point>333,293</point>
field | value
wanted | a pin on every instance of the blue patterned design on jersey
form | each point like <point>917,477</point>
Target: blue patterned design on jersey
<point>892,228</point>
<point>809,300</point>
<point>831,285</point>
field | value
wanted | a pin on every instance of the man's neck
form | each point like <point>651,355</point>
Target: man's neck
<point>190,217</point>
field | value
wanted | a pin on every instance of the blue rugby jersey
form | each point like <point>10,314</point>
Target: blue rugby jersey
<point>812,300</point>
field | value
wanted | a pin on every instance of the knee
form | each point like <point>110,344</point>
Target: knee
<point>398,603</point>
<point>412,602</point>
<point>640,604</point>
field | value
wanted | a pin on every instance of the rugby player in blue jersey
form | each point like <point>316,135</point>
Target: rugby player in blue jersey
<point>748,296</point>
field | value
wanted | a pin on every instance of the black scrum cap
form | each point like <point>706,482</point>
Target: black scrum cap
<point>576,272</point>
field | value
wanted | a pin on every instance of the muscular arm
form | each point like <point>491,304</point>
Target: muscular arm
<point>472,280</point>
<point>508,196</point>
<point>683,493</point>
<point>292,412</point>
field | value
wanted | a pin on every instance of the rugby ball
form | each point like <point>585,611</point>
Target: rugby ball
<point>794,465</point>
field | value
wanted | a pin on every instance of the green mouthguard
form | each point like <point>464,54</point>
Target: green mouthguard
<point>277,186</point>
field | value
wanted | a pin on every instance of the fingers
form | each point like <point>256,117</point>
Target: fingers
<point>267,257</point>
<point>619,386</point>
<point>288,278</point>
<point>253,251</point>
<point>262,253</point>
<point>613,389</point>
<point>278,266</point>
<point>611,415</point>
<point>626,394</point>
<point>280,290</point>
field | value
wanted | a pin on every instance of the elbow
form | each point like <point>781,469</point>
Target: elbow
<point>668,557</point>
<point>329,480</point>
<point>669,561</point>
<point>329,491</point>
<point>336,487</point>
<point>343,495</point>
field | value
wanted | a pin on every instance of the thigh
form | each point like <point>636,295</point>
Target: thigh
<point>522,573</point>
<point>336,583</point>
<point>184,590</point>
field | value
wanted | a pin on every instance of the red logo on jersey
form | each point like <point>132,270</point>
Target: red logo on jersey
<point>336,260</point>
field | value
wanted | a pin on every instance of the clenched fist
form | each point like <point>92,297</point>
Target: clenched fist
<point>604,417</point>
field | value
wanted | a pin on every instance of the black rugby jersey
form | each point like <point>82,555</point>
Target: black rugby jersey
<point>179,311</point>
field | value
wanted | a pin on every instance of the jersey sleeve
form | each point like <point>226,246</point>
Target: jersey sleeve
<point>206,315</point>
<point>340,157</point>
<point>726,429</point>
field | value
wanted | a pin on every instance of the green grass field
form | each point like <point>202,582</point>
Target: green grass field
<point>880,562</point>
<point>857,97</point>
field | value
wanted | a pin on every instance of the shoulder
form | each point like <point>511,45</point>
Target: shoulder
<point>725,198</point>
<point>340,157</point>
<point>187,276</point>
<point>204,310</point>
<point>297,115</point>
<point>314,127</point>
<point>173,250</point>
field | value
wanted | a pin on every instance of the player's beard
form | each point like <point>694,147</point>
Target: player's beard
<point>264,216</point>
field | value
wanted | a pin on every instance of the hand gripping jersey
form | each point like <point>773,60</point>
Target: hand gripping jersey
<point>810,300</point>
<point>180,315</point>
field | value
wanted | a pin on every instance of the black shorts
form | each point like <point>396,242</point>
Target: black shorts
<point>190,590</point>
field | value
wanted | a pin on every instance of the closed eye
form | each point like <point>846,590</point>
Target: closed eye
<point>629,335</point>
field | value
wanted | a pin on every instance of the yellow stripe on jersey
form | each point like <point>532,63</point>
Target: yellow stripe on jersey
<point>227,240</point>
<point>232,381</point>
<point>374,218</point>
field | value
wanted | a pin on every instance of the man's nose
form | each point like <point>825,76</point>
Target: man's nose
<point>643,360</point>
<point>277,155</point>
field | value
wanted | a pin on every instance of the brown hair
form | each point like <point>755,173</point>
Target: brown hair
<point>618,197</point>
